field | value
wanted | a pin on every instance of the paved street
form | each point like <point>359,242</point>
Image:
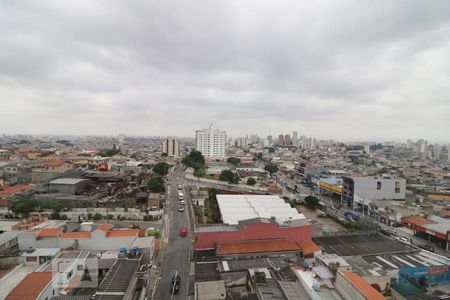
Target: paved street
<point>176,252</point>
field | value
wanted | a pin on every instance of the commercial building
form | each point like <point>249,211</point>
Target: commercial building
<point>71,186</point>
<point>357,192</point>
<point>211,142</point>
<point>171,147</point>
<point>235,208</point>
<point>255,229</point>
<point>434,229</point>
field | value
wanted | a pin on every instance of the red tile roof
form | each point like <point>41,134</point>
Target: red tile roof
<point>416,221</point>
<point>76,235</point>
<point>258,246</point>
<point>122,233</point>
<point>363,286</point>
<point>50,232</point>
<point>104,227</point>
<point>308,247</point>
<point>55,163</point>
<point>6,191</point>
<point>6,203</point>
<point>31,286</point>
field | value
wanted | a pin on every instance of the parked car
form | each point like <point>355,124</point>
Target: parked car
<point>181,208</point>
<point>403,240</point>
<point>183,231</point>
<point>385,232</point>
<point>427,247</point>
<point>396,224</point>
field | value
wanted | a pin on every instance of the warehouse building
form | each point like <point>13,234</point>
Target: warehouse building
<point>235,208</point>
<point>71,186</point>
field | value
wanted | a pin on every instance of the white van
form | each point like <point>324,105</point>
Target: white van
<point>180,196</point>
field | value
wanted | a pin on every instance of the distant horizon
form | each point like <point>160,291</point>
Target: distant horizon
<point>275,136</point>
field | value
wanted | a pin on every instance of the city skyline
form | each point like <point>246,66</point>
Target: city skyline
<point>169,68</point>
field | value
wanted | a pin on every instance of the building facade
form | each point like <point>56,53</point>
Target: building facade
<point>211,142</point>
<point>171,147</point>
<point>358,192</point>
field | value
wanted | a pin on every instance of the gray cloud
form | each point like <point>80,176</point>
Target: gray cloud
<point>324,68</point>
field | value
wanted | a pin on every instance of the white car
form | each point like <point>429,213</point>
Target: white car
<point>403,240</point>
<point>181,208</point>
<point>182,202</point>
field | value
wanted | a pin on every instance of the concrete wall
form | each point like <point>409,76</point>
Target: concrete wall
<point>98,241</point>
<point>367,188</point>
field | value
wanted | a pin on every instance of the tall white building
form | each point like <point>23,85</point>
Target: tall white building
<point>448,152</point>
<point>295,138</point>
<point>211,142</point>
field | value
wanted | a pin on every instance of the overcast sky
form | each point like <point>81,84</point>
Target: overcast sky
<point>328,69</point>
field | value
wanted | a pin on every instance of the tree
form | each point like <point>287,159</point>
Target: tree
<point>229,176</point>
<point>97,217</point>
<point>24,206</point>
<point>271,168</point>
<point>251,181</point>
<point>312,201</point>
<point>199,172</point>
<point>262,178</point>
<point>130,203</point>
<point>195,159</point>
<point>109,152</point>
<point>156,184</point>
<point>234,161</point>
<point>366,223</point>
<point>161,168</point>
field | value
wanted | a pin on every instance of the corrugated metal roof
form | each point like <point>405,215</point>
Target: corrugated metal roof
<point>235,208</point>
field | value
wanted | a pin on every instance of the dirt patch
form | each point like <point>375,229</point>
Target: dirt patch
<point>323,224</point>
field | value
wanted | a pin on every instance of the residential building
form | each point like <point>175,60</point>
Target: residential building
<point>211,142</point>
<point>280,139</point>
<point>89,237</point>
<point>171,147</point>
<point>295,138</point>
<point>287,139</point>
<point>448,152</point>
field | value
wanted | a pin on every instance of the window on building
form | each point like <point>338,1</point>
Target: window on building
<point>69,275</point>
<point>379,185</point>
<point>397,187</point>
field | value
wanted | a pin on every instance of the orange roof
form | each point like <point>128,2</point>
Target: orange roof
<point>9,190</point>
<point>309,247</point>
<point>6,203</point>
<point>416,221</point>
<point>76,235</point>
<point>363,286</point>
<point>256,246</point>
<point>50,232</point>
<point>122,233</point>
<point>104,227</point>
<point>54,163</point>
<point>31,286</point>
